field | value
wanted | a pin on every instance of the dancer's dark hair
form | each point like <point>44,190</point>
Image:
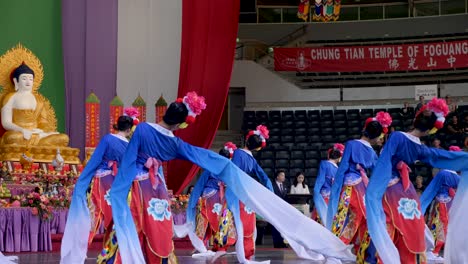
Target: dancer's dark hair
<point>425,121</point>
<point>225,153</point>
<point>334,154</point>
<point>373,130</point>
<point>176,113</point>
<point>253,142</point>
<point>123,123</point>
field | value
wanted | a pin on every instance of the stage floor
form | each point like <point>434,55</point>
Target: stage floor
<point>277,256</point>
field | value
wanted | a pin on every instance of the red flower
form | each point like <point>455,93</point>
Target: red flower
<point>196,103</point>
<point>438,106</point>
<point>384,118</point>
<point>339,147</point>
<point>263,130</point>
<point>132,112</point>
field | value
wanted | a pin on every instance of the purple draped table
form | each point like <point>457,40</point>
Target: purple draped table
<point>20,230</point>
<point>179,218</point>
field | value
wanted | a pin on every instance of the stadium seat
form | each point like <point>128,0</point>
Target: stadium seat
<point>313,115</point>
<point>311,163</point>
<point>274,139</point>
<point>297,154</point>
<point>312,154</point>
<point>313,131</point>
<point>315,138</point>
<point>287,139</point>
<point>282,154</point>
<point>261,116</point>
<point>300,139</point>
<point>249,115</point>
<point>274,131</point>
<point>300,115</point>
<point>267,163</point>
<point>282,163</point>
<point>311,173</point>
<point>296,163</point>
<point>287,131</point>
<point>313,124</point>
<point>300,132</point>
<point>300,124</point>
<point>267,154</point>
<point>287,124</point>
<point>274,116</point>
<point>287,115</point>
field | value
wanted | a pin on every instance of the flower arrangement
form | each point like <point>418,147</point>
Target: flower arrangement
<point>40,205</point>
<point>179,203</point>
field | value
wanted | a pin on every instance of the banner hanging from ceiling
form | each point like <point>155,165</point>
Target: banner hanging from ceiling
<point>376,58</point>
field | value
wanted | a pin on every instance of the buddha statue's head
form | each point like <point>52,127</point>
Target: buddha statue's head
<point>23,78</point>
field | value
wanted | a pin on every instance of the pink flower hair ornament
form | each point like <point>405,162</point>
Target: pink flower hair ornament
<point>133,113</point>
<point>455,148</point>
<point>195,105</point>
<point>261,131</point>
<point>229,146</point>
<point>384,118</point>
<point>440,109</point>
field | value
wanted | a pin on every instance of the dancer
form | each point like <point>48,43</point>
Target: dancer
<point>395,222</point>
<point>214,220</point>
<point>157,142</point>
<point>8,259</point>
<point>243,158</point>
<point>346,211</point>
<point>323,184</point>
<point>441,190</point>
<point>102,168</point>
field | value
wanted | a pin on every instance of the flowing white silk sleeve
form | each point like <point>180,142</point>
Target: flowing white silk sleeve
<point>75,238</point>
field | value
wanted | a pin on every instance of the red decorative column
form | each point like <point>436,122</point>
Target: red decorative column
<point>116,110</point>
<point>140,104</point>
<point>160,108</point>
<point>92,124</point>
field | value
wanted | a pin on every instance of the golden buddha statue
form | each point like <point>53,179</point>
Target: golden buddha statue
<point>26,116</point>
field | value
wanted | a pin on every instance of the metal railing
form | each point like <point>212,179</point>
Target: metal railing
<point>381,11</point>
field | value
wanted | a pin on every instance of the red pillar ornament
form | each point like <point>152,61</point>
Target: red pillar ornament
<point>92,120</point>
<point>116,110</point>
<point>140,104</point>
<point>160,108</point>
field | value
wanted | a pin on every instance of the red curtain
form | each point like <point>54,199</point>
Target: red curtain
<point>209,32</point>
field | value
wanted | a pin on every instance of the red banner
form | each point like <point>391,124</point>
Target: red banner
<point>383,58</point>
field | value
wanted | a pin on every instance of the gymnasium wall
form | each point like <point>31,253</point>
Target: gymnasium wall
<point>265,86</point>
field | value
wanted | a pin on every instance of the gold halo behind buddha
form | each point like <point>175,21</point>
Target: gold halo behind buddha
<point>12,59</point>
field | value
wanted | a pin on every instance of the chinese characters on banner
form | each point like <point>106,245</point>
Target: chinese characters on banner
<point>383,58</point>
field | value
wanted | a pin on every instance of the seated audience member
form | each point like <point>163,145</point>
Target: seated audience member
<point>418,185</point>
<point>465,144</point>
<point>465,124</point>
<point>436,143</point>
<point>406,111</point>
<point>299,186</point>
<point>452,105</point>
<point>420,104</point>
<point>453,127</point>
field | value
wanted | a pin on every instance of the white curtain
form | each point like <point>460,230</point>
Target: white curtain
<point>149,39</point>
